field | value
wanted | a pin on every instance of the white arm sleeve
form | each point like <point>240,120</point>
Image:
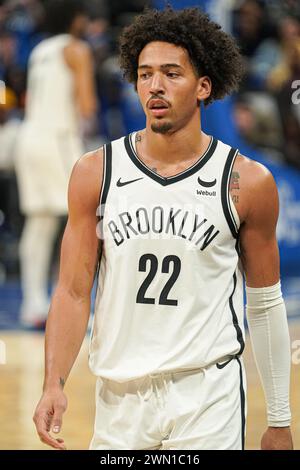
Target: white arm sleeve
<point>268,327</point>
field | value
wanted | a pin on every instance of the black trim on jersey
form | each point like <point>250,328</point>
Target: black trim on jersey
<point>238,245</point>
<point>164,181</point>
<point>97,270</point>
<point>225,192</point>
<point>243,400</point>
<point>236,325</point>
<point>107,162</point>
<point>106,174</point>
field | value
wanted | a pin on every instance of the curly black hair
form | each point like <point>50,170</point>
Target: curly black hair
<point>212,52</point>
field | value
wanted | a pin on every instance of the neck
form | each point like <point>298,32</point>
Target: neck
<point>73,31</point>
<point>175,146</point>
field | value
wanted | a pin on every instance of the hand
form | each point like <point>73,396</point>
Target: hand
<point>48,417</point>
<point>277,439</point>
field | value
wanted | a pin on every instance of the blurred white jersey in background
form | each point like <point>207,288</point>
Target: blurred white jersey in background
<point>49,142</point>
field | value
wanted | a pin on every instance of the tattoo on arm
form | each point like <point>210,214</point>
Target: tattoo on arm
<point>234,185</point>
<point>234,180</point>
<point>62,382</point>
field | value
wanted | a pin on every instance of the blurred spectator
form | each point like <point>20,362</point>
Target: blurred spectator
<point>104,33</point>
<point>9,126</point>
<point>269,36</point>
<point>10,73</point>
<point>10,220</point>
<point>278,9</point>
<point>272,52</point>
<point>280,82</point>
<point>251,26</point>
<point>287,68</point>
<point>99,37</point>
<point>60,102</point>
<point>20,23</point>
<point>24,21</point>
<point>8,55</point>
<point>3,14</point>
<point>258,121</point>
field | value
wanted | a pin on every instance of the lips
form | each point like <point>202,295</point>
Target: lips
<point>157,104</point>
<point>158,107</point>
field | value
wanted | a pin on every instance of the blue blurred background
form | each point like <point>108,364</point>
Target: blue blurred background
<point>262,119</point>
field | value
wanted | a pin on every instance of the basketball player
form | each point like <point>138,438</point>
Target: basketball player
<point>182,217</point>
<point>60,99</point>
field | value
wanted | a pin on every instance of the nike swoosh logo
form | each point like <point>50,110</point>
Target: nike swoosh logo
<point>224,364</point>
<point>123,183</point>
<point>207,184</point>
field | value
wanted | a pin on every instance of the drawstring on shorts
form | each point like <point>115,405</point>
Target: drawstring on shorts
<point>156,380</point>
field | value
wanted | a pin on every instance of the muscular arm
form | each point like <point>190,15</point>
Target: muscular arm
<point>79,58</point>
<point>258,210</point>
<point>70,306</point>
<point>256,200</point>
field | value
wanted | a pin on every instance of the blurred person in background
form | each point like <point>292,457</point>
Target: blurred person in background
<point>99,38</point>
<point>10,71</point>
<point>257,121</point>
<point>60,103</point>
<point>281,83</point>
<point>272,51</point>
<point>117,107</point>
<point>9,125</point>
<point>20,31</point>
<point>269,37</point>
<point>251,26</point>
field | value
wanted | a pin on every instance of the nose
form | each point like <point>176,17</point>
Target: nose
<point>157,84</point>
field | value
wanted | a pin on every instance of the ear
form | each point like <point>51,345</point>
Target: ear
<point>204,88</point>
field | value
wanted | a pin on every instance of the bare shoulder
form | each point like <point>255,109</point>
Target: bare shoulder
<point>77,52</point>
<point>79,47</point>
<point>252,172</point>
<point>257,190</point>
<point>86,180</point>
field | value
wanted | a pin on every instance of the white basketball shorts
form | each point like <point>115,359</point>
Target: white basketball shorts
<point>193,409</point>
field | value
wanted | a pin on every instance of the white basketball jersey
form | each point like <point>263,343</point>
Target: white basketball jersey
<point>50,99</point>
<point>170,290</point>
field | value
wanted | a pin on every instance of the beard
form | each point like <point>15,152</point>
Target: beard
<point>161,127</point>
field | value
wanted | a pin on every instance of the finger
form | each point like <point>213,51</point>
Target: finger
<point>42,420</point>
<point>57,419</point>
<point>42,423</point>
<point>46,438</point>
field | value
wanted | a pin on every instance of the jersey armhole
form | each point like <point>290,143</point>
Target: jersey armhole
<point>229,208</point>
<point>235,214</point>
<point>107,162</point>
<point>107,169</point>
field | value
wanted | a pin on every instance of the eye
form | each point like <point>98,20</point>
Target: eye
<point>172,75</point>
<point>144,75</point>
